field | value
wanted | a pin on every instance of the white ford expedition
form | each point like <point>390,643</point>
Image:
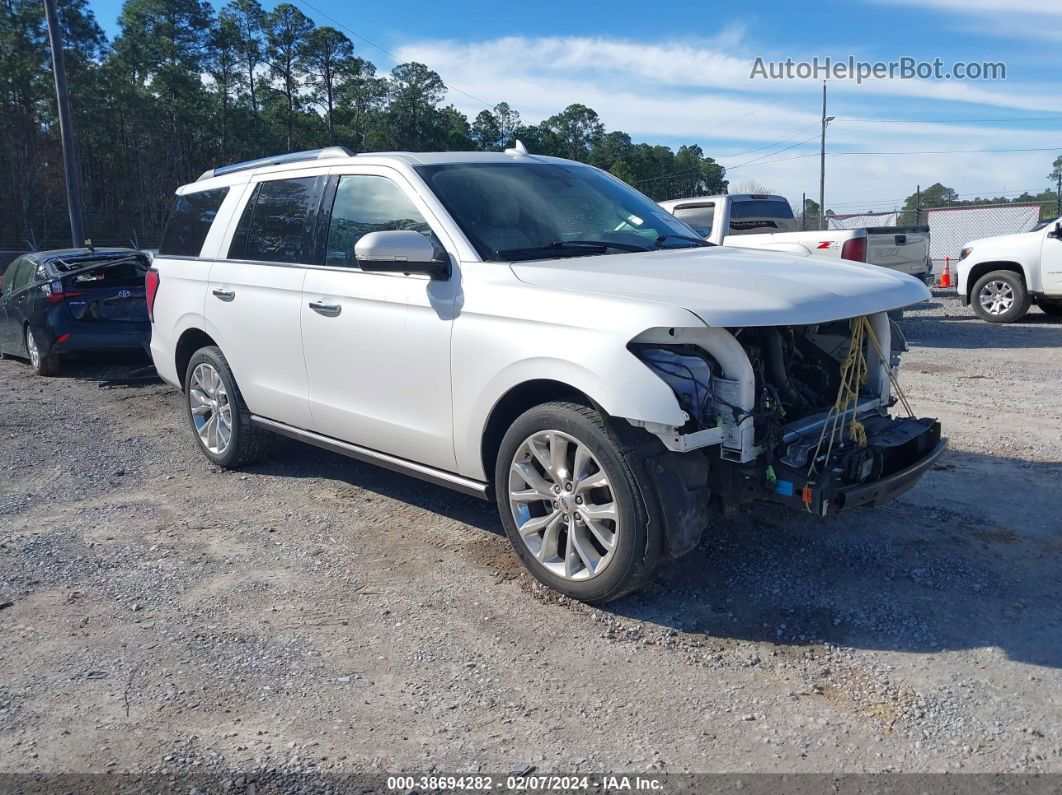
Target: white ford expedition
<point>534,331</point>
<point>1003,276</point>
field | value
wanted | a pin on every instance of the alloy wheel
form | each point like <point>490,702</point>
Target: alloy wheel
<point>211,411</point>
<point>33,351</point>
<point>996,297</point>
<point>563,504</point>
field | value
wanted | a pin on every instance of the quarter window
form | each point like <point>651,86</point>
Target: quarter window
<point>187,227</point>
<point>24,270</point>
<point>274,224</point>
<point>364,204</point>
<point>9,277</point>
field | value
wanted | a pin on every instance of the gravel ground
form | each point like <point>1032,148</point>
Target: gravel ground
<point>313,614</point>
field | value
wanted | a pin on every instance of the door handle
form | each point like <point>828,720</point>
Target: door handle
<point>224,295</point>
<point>328,310</point>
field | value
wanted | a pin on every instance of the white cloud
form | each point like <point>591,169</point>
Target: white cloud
<point>700,92</point>
<point>1034,7</point>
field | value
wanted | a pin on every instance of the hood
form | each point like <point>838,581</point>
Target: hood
<point>729,287</point>
<point>1001,240</point>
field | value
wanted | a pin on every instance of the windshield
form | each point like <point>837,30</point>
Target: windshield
<point>521,211</point>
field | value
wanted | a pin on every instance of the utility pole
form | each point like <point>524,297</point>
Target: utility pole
<point>918,205</point>
<point>803,211</point>
<point>822,164</point>
<point>71,167</point>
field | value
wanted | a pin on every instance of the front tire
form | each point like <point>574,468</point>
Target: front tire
<point>1000,297</point>
<point>571,504</point>
<point>42,364</point>
<point>217,413</point>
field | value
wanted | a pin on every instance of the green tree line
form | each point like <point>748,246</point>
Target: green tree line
<point>183,88</point>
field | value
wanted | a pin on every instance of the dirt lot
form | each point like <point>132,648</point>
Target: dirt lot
<point>315,614</point>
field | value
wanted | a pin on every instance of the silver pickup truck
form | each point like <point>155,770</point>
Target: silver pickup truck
<point>901,248</point>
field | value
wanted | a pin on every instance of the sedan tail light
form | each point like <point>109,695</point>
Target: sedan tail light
<point>151,285</point>
<point>855,249</point>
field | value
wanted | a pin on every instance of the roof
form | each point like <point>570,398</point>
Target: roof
<point>336,155</point>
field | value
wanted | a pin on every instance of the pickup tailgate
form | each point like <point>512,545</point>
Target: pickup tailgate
<point>900,248</point>
<point>108,291</point>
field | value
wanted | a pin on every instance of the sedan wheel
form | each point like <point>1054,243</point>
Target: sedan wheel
<point>33,351</point>
<point>563,504</point>
<point>208,402</point>
<point>42,364</point>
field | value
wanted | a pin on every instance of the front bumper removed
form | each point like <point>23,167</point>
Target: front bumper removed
<point>897,453</point>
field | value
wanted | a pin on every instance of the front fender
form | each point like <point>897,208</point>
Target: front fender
<point>622,386</point>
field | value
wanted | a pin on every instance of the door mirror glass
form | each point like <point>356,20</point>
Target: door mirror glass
<point>401,251</point>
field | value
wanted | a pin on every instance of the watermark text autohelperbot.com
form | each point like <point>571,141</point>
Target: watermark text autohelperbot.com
<point>905,68</point>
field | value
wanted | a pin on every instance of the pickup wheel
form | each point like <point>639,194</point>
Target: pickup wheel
<point>1000,297</point>
<point>1053,308</point>
<point>220,420</point>
<point>571,505</point>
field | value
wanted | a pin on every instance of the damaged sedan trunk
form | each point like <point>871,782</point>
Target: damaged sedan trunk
<point>793,414</point>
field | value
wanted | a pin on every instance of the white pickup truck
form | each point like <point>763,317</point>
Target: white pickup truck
<point>766,222</point>
<point>1003,276</point>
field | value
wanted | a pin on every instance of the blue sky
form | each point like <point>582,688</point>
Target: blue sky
<point>679,73</point>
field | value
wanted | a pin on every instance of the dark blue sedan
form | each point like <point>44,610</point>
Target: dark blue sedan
<point>58,302</point>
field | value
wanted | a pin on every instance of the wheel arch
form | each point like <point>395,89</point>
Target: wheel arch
<point>982,268</point>
<point>516,401</point>
<point>190,341</point>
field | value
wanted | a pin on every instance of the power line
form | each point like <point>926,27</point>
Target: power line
<point>947,121</point>
<point>773,143</point>
<point>757,109</point>
<point>735,154</point>
<point>778,152</point>
<point>913,152</point>
<point>394,57</point>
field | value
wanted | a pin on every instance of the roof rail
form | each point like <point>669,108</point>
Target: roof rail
<point>276,160</point>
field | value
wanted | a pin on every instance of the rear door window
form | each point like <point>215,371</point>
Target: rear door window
<point>700,217</point>
<point>365,203</point>
<point>276,223</point>
<point>187,227</point>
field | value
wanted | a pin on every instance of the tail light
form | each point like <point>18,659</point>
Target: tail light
<point>55,293</point>
<point>151,285</point>
<point>855,249</point>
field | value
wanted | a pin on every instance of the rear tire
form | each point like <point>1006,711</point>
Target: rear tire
<point>1053,308</point>
<point>571,504</point>
<point>1000,297</point>
<point>219,417</point>
<point>42,364</point>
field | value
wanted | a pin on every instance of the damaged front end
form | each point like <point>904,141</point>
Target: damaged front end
<point>792,414</point>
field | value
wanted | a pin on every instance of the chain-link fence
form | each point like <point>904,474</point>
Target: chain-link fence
<point>951,228</point>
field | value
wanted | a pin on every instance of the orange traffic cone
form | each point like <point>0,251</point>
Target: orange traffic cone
<point>945,277</point>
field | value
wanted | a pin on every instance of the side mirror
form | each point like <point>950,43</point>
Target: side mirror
<point>1057,233</point>
<point>403,251</point>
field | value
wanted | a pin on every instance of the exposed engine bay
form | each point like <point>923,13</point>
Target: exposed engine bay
<point>795,414</point>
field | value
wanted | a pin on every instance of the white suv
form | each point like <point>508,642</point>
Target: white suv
<point>530,330</point>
